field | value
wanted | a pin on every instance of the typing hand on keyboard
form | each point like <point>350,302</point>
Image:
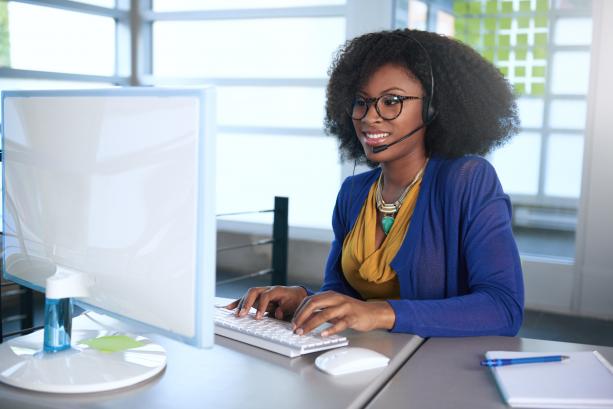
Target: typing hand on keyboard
<point>279,301</point>
<point>271,334</point>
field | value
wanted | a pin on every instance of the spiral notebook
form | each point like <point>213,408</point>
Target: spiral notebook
<point>583,381</point>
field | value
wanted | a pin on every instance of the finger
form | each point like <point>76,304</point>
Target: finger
<point>248,300</point>
<point>266,298</point>
<point>340,326</point>
<point>320,317</point>
<point>313,303</point>
<point>232,305</point>
<point>299,314</point>
<point>279,314</point>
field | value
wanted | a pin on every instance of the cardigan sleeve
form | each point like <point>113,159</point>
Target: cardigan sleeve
<point>493,301</point>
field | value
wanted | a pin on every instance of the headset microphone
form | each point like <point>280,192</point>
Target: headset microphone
<point>381,148</point>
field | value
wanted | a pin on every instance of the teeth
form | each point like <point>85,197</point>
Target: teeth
<point>376,135</point>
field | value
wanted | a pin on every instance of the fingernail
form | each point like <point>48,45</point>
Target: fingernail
<point>242,313</point>
<point>258,315</point>
<point>324,333</point>
<point>299,331</point>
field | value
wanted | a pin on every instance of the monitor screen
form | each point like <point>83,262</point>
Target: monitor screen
<point>117,184</point>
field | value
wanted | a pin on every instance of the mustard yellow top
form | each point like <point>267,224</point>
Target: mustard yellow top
<point>366,268</point>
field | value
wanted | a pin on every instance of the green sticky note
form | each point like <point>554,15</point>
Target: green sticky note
<point>538,89</point>
<point>524,5</point>
<point>542,5</point>
<point>491,7</point>
<point>504,40</point>
<point>520,71</point>
<point>114,343</point>
<point>520,88</point>
<point>523,22</point>
<point>488,55</point>
<point>540,39</point>
<point>521,40</point>
<point>489,40</point>
<point>505,23</point>
<point>460,7</point>
<point>541,22</point>
<point>538,71</point>
<point>504,71</point>
<point>475,7</point>
<point>539,53</point>
<point>490,24</point>
<point>474,25</point>
<point>507,7</point>
<point>460,36</point>
<point>521,55</point>
<point>503,55</point>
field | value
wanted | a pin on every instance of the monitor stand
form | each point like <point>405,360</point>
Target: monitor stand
<point>81,368</point>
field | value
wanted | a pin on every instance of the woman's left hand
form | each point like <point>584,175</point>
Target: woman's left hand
<point>343,312</point>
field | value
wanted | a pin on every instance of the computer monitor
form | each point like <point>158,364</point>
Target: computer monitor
<point>117,185</point>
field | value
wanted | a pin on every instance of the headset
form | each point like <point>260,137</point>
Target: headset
<point>428,113</point>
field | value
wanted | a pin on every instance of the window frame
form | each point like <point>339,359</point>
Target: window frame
<point>122,17</point>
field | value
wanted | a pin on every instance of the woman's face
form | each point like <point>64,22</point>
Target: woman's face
<point>373,130</point>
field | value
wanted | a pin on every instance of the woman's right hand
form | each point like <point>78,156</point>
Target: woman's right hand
<point>279,301</point>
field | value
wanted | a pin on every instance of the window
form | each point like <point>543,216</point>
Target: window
<point>268,60</point>
<point>542,47</point>
<point>43,39</point>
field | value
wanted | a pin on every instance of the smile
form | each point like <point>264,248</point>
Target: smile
<point>376,135</point>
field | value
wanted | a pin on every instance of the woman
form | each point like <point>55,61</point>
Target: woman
<point>423,242</point>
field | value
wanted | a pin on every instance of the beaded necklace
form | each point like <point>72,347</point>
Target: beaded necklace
<point>389,210</point>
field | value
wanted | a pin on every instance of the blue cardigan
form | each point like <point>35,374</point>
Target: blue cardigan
<point>458,266</point>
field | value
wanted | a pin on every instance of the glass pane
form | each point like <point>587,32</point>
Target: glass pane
<point>178,5</point>
<point>47,39</point>
<point>247,48</point>
<point>444,23</point>
<point>286,107</point>
<point>311,187</point>
<point>531,112</point>
<point>573,5</point>
<point>567,114</point>
<point>573,31</point>
<point>564,164</point>
<point>418,15</point>
<point>570,72</point>
<point>524,148</point>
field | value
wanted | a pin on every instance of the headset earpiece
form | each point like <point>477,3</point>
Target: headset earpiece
<point>428,112</point>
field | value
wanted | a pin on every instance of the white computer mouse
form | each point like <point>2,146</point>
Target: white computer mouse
<point>343,361</point>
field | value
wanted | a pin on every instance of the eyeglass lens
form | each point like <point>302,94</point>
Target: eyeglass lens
<point>387,106</point>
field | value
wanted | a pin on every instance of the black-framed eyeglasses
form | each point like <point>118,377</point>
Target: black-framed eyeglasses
<point>388,106</point>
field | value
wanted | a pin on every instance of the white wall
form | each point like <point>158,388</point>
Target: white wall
<point>593,291</point>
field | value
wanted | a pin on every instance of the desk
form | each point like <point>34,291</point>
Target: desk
<point>445,373</point>
<point>236,375</point>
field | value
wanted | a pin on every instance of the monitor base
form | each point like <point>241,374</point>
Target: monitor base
<point>80,369</point>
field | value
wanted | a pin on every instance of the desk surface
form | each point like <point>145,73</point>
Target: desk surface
<point>445,373</point>
<point>236,375</point>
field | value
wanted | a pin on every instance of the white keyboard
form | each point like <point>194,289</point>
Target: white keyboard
<point>272,334</point>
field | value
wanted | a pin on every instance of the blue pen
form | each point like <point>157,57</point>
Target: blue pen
<point>530,360</point>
